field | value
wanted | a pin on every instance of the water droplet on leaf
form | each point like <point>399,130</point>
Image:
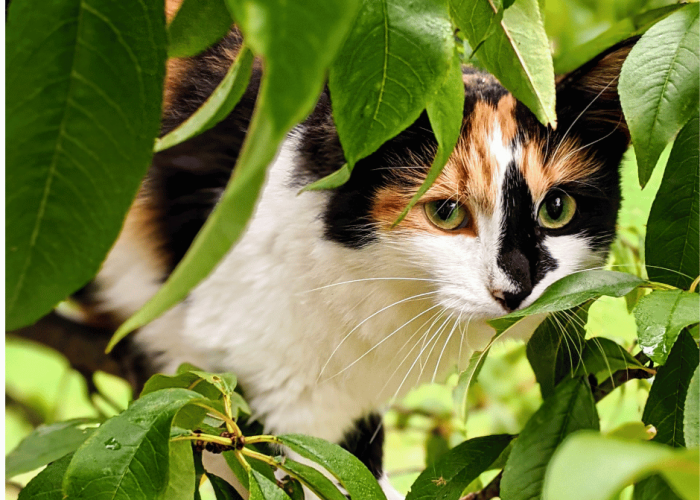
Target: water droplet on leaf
<point>112,444</point>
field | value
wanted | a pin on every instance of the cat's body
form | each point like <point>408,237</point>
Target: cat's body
<point>322,310</point>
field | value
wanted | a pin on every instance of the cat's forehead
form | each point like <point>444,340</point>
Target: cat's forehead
<point>498,134</point>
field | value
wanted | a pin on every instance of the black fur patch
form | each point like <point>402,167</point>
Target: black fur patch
<point>365,441</point>
<point>522,256</point>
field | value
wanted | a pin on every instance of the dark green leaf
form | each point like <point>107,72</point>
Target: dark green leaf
<point>217,107</point>
<point>659,85</point>
<point>447,478</point>
<point>47,484</point>
<point>293,488</point>
<point>445,112</point>
<point>344,466</point>
<point>312,478</point>
<point>436,445</point>
<point>589,466</point>
<point>308,33</point>
<point>392,63</point>
<point>222,489</point>
<point>197,25</point>
<point>181,474</point>
<point>186,380</point>
<point>261,488</point>
<point>672,231</point>
<point>571,408</point>
<point>517,53</point>
<point>664,408</point>
<point>654,488</point>
<point>84,88</point>
<point>602,357</point>
<point>556,346</point>
<point>46,444</point>
<point>128,456</point>
<point>691,413</point>
<point>660,317</point>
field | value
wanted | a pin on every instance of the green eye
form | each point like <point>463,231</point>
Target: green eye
<point>446,214</point>
<point>557,210</point>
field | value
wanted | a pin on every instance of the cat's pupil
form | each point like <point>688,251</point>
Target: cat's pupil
<point>555,206</point>
<point>446,209</point>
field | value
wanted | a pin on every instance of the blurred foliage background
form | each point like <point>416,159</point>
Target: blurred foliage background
<point>42,388</point>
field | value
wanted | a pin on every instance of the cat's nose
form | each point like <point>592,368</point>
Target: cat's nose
<point>509,301</point>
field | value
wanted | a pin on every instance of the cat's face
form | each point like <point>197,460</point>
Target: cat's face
<point>517,207</point>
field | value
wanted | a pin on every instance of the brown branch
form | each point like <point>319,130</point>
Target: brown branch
<point>620,377</point>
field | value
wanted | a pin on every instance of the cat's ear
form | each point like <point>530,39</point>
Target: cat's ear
<point>588,105</point>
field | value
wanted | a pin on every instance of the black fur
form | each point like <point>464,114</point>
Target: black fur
<point>365,441</point>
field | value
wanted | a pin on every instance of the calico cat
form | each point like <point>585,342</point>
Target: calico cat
<point>322,310</point>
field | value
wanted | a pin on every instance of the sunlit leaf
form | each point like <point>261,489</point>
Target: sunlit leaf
<point>588,466</point>
<point>659,85</point>
<point>517,53</point>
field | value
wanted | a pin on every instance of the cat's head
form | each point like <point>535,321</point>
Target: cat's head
<point>517,207</point>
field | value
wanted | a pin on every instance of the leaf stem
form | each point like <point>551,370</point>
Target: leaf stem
<point>242,460</point>
<point>694,284</point>
<point>209,438</point>
<point>265,438</point>
<point>225,418</point>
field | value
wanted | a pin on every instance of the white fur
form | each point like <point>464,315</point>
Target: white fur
<point>320,334</point>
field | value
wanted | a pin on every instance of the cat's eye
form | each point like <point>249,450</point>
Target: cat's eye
<point>557,210</point>
<point>447,214</point>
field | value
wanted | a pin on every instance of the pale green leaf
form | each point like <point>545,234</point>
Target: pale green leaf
<point>691,413</point>
<point>197,25</point>
<point>588,466</point>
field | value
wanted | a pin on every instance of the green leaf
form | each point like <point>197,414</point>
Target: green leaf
<point>312,478</point>
<point>664,407</point>
<point>659,85</point>
<point>47,484</point>
<point>181,476</point>
<point>279,31</point>
<point>445,112</point>
<point>392,63</point>
<point>222,489</point>
<point>187,380</point>
<point>517,53</point>
<point>46,444</point>
<point>447,478</point>
<point>633,430</point>
<point>654,488</point>
<point>217,107</point>
<point>467,379</point>
<point>691,413</point>
<point>588,466</point>
<point>84,86</point>
<point>602,357</point>
<point>261,488</point>
<point>556,347</point>
<point>621,30</point>
<point>661,316</point>
<point>293,488</point>
<point>197,25</point>
<point>128,456</point>
<point>571,408</point>
<point>573,290</point>
<point>344,466</point>
<point>672,247</point>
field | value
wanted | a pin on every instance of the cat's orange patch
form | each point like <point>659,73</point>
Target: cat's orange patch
<point>569,163</point>
<point>469,175</point>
